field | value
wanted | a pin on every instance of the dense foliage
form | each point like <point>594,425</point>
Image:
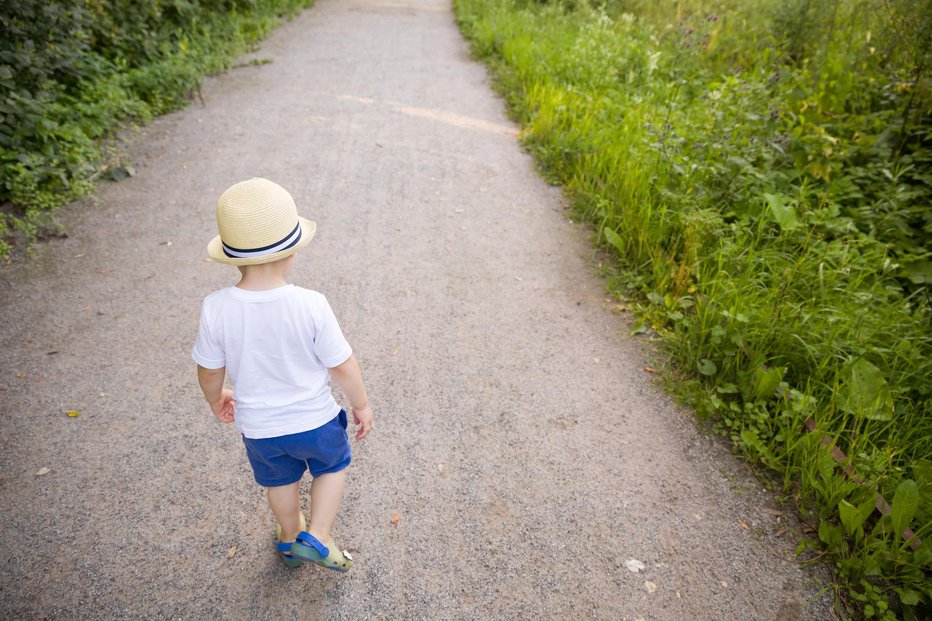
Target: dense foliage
<point>72,71</point>
<point>762,170</point>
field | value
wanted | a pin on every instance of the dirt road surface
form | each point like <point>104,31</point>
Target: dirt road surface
<point>528,456</point>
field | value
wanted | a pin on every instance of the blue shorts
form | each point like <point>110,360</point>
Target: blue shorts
<point>283,460</point>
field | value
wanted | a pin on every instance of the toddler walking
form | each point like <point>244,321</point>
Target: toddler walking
<point>279,345</point>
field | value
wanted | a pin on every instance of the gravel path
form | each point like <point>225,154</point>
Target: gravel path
<point>518,439</point>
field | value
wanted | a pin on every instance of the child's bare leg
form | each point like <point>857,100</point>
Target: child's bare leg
<point>326,496</point>
<point>285,504</point>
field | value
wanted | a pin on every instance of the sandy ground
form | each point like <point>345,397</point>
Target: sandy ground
<point>518,439</point>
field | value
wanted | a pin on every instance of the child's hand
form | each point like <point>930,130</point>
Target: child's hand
<point>363,418</point>
<point>223,407</point>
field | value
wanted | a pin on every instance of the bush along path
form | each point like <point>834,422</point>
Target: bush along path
<point>762,171</point>
<point>524,464</point>
<point>73,72</point>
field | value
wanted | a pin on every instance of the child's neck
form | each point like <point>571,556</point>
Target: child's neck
<point>263,277</point>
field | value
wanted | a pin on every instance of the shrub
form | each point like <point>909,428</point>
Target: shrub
<point>74,71</point>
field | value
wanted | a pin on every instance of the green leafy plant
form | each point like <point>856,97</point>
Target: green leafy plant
<point>761,171</point>
<point>75,71</point>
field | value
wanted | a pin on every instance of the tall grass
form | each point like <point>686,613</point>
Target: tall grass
<point>762,171</point>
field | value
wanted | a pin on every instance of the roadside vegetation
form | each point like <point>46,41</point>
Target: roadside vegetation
<point>73,72</point>
<point>761,170</point>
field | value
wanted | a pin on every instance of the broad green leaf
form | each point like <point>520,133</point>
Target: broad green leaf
<point>849,516</point>
<point>870,566</point>
<point>750,439</point>
<point>766,382</point>
<point>614,239</point>
<point>866,508</point>
<point>908,596</point>
<point>904,504</point>
<point>922,556</point>
<point>728,389</point>
<point>784,214</point>
<point>852,517</point>
<point>864,392</point>
<point>641,327</point>
<point>707,367</point>
<point>829,533</point>
<point>825,464</point>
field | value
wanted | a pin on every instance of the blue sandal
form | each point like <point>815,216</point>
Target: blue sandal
<point>309,549</point>
<point>284,552</point>
<point>284,549</point>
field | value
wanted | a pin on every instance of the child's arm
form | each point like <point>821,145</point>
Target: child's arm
<point>349,378</point>
<point>220,398</point>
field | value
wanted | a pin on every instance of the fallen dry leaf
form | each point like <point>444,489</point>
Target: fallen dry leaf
<point>21,375</point>
<point>634,565</point>
<point>397,349</point>
<point>395,519</point>
<point>73,413</point>
<point>232,552</point>
<point>650,369</point>
<point>650,586</point>
<point>42,471</point>
<point>743,524</point>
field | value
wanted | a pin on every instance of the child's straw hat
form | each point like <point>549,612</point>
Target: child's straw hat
<point>258,223</point>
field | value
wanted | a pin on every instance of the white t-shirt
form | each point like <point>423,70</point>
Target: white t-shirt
<point>277,347</point>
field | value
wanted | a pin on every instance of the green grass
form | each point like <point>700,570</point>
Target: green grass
<point>74,72</point>
<point>761,170</point>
